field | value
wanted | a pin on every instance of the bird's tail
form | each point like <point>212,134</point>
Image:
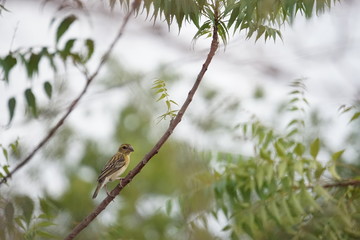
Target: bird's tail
<point>97,190</point>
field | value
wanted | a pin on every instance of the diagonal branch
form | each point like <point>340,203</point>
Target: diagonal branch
<point>89,80</point>
<point>136,170</point>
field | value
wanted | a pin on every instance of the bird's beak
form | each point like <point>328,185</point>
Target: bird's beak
<point>131,149</point>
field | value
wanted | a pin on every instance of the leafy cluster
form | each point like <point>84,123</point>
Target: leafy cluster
<point>259,17</point>
<point>353,108</point>
<point>282,191</point>
<point>30,59</point>
<point>13,148</point>
<point>160,87</point>
<point>20,221</point>
<point>297,105</point>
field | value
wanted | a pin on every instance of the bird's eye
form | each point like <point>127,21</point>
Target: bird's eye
<point>124,147</point>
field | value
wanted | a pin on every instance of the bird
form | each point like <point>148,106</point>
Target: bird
<point>114,167</point>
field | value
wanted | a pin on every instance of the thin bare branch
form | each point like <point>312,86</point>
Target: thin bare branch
<point>89,79</point>
<point>136,170</point>
<point>345,183</point>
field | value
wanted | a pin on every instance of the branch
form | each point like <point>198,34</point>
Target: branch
<point>89,80</point>
<point>173,123</point>
<point>345,183</point>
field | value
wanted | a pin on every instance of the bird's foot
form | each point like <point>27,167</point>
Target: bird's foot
<point>121,182</point>
<point>109,194</point>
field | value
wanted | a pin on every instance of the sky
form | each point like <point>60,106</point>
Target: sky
<point>324,50</point>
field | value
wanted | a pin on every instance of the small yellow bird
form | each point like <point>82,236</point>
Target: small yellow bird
<point>114,167</point>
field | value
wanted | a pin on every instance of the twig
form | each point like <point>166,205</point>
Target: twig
<point>89,79</point>
<point>136,170</point>
<point>345,183</point>
<point>13,37</point>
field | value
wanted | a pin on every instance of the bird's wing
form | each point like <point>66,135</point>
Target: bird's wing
<point>113,165</point>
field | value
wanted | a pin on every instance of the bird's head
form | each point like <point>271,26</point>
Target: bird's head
<point>126,148</point>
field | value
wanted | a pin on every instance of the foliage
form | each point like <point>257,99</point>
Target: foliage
<point>30,59</point>
<point>160,87</point>
<point>260,17</point>
<point>12,148</point>
<point>281,191</point>
<point>356,113</point>
<point>19,220</point>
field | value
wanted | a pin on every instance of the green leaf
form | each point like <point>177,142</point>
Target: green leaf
<point>293,122</point>
<point>203,30</point>
<point>45,235</point>
<point>162,96</point>
<point>298,166</point>
<point>6,169</point>
<point>226,228</point>
<point>337,155</point>
<point>322,192</point>
<point>223,32</point>
<point>299,149</point>
<point>31,101</point>
<point>44,224</point>
<point>274,211</point>
<point>14,146</point>
<point>333,172</point>
<point>50,57</point>
<point>281,168</point>
<point>64,26</point>
<point>308,200</point>
<point>295,206</point>
<point>260,172</point>
<point>280,150</point>
<point>6,155</point>
<point>45,207</point>
<point>319,171</point>
<point>172,101</point>
<point>168,105</point>
<point>269,173</point>
<point>355,116</point>
<point>286,213</point>
<point>48,89</point>
<point>260,32</point>
<point>27,206</point>
<point>7,64</point>
<point>292,132</point>
<point>314,148</point>
<point>90,48</point>
<point>265,154</point>
<point>262,216</point>
<point>11,107</point>
<point>234,15</point>
<point>32,65</point>
<point>66,52</point>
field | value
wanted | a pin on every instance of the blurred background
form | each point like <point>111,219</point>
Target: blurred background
<point>246,80</point>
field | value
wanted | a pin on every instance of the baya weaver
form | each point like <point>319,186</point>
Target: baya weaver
<point>114,167</point>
